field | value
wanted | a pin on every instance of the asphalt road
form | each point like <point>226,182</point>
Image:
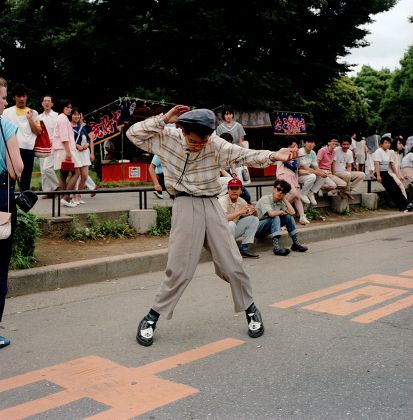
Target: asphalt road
<point>342,352</point>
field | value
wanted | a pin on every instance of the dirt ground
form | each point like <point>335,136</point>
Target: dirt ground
<point>55,251</point>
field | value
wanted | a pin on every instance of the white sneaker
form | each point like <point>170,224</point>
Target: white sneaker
<point>67,203</point>
<point>304,221</point>
<point>304,198</point>
<point>158,194</point>
<point>312,199</point>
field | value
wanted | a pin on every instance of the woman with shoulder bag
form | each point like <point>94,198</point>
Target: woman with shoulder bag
<point>65,154</point>
<point>11,165</point>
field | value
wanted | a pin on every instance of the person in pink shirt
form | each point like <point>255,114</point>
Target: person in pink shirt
<point>288,171</point>
<point>325,159</point>
<point>64,147</point>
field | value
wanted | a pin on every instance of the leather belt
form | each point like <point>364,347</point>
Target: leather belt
<point>185,194</point>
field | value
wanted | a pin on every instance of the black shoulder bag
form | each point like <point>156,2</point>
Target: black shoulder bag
<point>26,199</point>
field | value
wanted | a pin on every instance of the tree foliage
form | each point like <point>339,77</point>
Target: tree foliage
<point>269,54</point>
<point>389,96</point>
<point>396,108</point>
<point>340,108</point>
<point>372,84</point>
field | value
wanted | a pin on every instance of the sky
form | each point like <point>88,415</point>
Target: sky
<point>391,35</point>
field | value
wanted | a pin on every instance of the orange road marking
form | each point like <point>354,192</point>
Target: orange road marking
<point>366,292</point>
<point>366,297</point>
<point>390,280</point>
<point>315,295</point>
<point>129,392</point>
<point>408,273</point>
<point>382,312</point>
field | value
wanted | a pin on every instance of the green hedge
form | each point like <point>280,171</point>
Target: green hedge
<point>25,236</point>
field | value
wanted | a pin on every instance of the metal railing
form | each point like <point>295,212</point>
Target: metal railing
<point>143,198</point>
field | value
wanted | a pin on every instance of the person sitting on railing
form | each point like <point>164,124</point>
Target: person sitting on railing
<point>343,168</point>
<point>326,162</point>
<point>382,162</point>
<point>288,172</point>
<point>310,176</point>
<point>407,166</point>
<point>242,217</point>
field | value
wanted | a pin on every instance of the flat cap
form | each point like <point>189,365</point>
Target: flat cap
<point>203,117</point>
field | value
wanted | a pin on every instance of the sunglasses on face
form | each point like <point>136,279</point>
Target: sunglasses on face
<point>280,190</point>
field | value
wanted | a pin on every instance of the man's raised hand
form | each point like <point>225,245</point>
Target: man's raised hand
<point>172,115</point>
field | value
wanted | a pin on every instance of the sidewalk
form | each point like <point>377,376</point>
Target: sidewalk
<point>81,272</point>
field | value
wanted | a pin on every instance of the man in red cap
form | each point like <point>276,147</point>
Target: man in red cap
<point>192,155</point>
<point>242,217</point>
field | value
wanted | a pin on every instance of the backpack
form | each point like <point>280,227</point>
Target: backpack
<point>42,145</point>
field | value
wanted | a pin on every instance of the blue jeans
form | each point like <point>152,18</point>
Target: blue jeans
<point>271,226</point>
<point>6,245</point>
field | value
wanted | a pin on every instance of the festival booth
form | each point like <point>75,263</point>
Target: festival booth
<point>109,124</point>
<point>263,130</point>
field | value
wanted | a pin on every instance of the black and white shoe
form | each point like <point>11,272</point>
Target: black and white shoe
<point>145,332</point>
<point>255,325</point>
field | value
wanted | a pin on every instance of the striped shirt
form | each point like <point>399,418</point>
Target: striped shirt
<point>201,175</point>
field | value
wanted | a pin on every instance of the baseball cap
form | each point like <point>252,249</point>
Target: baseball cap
<point>234,182</point>
<point>201,116</point>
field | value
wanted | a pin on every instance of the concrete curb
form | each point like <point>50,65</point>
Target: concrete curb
<point>81,272</point>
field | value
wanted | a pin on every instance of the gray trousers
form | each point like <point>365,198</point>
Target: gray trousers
<point>197,222</point>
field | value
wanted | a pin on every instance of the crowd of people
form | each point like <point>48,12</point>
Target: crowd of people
<point>72,144</point>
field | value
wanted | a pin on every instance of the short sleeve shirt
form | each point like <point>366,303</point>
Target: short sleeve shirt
<point>63,132</point>
<point>18,117</point>
<point>229,207</point>
<point>9,130</point>
<point>342,159</point>
<point>383,157</point>
<point>407,161</point>
<point>308,159</point>
<point>236,131</point>
<point>266,203</point>
<point>325,158</point>
<point>49,121</point>
<point>156,161</point>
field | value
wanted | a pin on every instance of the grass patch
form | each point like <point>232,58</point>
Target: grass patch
<point>96,229</point>
<point>163,221</point>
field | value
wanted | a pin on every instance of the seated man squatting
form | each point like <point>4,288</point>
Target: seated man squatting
<point>242,217</point>
<point>274,211</point>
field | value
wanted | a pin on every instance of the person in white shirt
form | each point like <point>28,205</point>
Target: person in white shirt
<point>396,156</point>
<point>242,217</point>
<point>382,162</point>
<point>48,174</point>
<point>27,121</point>
<point>310,176</point>
<point>406,166</point>
<point>343,167</point>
